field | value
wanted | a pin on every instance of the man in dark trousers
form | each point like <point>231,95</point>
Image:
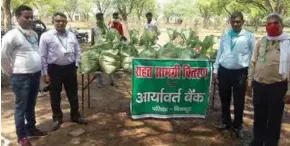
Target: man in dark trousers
<point>269,77</point>
<point>231,70</point>
<point>20,60</point>
<point>60,54</point>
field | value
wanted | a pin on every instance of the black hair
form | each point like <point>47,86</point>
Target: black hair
<point>237,14</point>
<point>59,14</point>
<point>149,14</point>
<point>115,14</point>
<point>20,9</point>
<point>99,14</point>
<point>275,16</point>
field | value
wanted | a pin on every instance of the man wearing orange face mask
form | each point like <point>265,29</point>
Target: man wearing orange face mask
<point>269,77</point>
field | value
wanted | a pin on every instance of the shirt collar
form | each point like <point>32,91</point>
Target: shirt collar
<point>243,32</point>
<point>55,32</point>
<point>26,32</point>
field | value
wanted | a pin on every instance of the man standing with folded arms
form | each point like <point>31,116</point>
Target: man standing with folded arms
<point>60,54</point>
<point>22,63</point>
<point>269,77</point>
<point>231,70</point>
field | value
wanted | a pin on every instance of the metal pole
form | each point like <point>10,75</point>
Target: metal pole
<point>89,94</point>
<point>83,94</point>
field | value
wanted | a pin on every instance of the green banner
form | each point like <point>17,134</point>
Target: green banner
<point>170,88</point>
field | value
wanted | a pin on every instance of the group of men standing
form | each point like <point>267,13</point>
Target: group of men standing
<point>54,57</point>
<point>240,66</point>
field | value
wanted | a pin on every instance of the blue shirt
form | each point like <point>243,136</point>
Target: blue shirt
<point>235,51</point>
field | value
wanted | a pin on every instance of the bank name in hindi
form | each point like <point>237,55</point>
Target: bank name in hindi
<point>172,97</point>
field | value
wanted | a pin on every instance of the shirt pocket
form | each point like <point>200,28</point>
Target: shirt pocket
<point>71,47</point>
<point>242,46</point>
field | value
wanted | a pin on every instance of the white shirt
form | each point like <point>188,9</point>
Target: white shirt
<point>58,49</point>
<point>235,52</point>
<point>18,55</point>
<point>152,26</point>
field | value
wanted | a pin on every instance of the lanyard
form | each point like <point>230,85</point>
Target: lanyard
<point>266,48</point>
<point>31,43</point>
<point>62,43</point>
<point>233,44</point>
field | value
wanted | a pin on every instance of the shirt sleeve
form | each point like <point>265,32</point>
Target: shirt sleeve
<point>121,30</point>
<point>220,51</point>
<point>77,52</point>
<point>6,55</point>
<point>252,45</point>
<point>43,51</point>
<point>288,91</point>
<point>253,62</point>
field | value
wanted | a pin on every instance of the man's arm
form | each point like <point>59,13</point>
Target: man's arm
<point>43,51</point>
<point>220,51</point>
<point>6,51</point>
<point>253,63</point>
<point>77,52</point>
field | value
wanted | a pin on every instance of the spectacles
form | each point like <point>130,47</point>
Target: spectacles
<point>59,21</point>
<point>236,21</point>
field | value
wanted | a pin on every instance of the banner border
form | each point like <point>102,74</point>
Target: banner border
<point>158,116</point>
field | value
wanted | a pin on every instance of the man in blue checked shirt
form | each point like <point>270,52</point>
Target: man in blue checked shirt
<point>231,70</point>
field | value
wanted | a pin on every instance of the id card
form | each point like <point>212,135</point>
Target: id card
<point>67,54</point>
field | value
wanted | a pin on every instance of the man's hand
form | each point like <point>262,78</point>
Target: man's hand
<point>215,77</point>
<point>287,99</point>
<point>46,79</point>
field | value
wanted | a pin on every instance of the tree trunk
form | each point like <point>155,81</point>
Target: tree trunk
<point>256,25</point>
<point>167,20</point>
<point>125,17</point>
<point>7,15</point>
<point>205,22</point>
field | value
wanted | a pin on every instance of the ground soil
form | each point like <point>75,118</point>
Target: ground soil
<point>110,123</point>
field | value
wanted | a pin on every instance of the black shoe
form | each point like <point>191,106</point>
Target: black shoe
<point>56,125</point>
<point>36,133</point>
<point>223,127</point>
<point>239,133</point>
<point>80,121</point>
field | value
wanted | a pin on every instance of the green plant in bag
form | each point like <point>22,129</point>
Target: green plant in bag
<point>110,61</point>
<point>148,52</point>
<point>133,34</point>
<point>187,53</point>
<point>90,61</point>
<point>168,51</point>
<point>173,34</point>
<point>148,37</point>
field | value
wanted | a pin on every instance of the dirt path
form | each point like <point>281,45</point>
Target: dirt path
<point>110,123</point>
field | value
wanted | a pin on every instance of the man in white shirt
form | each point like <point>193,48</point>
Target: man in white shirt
<point>231,70</point>
<point>22,63</point>
<point>151,24</point>
<point>60,54</point>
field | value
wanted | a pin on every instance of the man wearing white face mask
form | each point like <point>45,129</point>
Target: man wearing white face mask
<point>60,54</point>
<point>269,77</point>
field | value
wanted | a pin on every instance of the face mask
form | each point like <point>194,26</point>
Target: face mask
<point>273,30</point>
<point>233,33</point>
